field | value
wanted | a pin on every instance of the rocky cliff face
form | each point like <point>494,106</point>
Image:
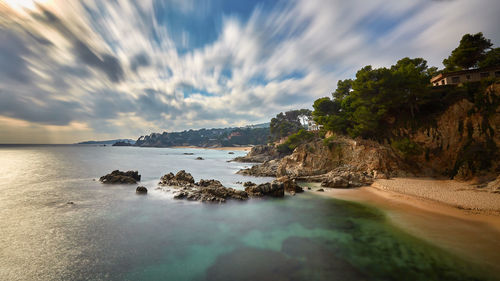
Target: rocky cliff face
<point>340,156</point>
<point>260,154</point>
<point>462,142</point>
<point>465,140</point>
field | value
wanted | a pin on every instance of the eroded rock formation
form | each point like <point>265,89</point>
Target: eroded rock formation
<point>119,177</point>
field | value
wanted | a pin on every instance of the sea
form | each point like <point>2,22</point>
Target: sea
<point>58,222</point>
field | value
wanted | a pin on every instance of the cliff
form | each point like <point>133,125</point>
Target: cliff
<point>464,141</point>
<point>461,142</point>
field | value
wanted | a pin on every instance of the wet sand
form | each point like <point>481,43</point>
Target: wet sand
<point>473,235</point>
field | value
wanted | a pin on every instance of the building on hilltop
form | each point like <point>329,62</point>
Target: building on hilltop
<point>471,75</point>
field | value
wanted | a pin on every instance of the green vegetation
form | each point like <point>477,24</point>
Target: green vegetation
<point>380,100</point>
<point>285,124</point>
<point>469,53</point>
<point>406,147</point>
<point>207,137</point>
<point>491,58</point>
<point>366,105</point>
<point>294,140</point>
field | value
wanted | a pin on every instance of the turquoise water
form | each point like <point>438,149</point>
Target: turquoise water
<point>110,233</point>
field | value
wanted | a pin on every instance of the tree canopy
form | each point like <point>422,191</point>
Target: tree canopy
<point>362,106</point>
<point>492,58</point>
<point>285,124</point>
<point>471,50</point>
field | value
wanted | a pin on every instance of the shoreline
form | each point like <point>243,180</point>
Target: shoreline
<point>471,234</point>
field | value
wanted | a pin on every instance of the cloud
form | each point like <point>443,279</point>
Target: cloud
<point>127,68</point>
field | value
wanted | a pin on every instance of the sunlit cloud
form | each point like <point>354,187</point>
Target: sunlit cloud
<point>109,69</point>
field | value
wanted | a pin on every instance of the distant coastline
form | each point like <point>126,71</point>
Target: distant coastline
<point>110,142</point>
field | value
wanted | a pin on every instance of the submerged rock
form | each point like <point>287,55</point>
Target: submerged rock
<point>141,190</point>
<point>119,177</point>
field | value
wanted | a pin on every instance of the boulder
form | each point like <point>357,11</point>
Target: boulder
<point>119,177</point>
<point>210,191</point>
<point>182,178</point>
<point>346,179</point>
<point>141,190</point>
<point>273,189</point>
<point>291,185</point>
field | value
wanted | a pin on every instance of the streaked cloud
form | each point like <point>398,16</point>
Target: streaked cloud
<point>104,69</point>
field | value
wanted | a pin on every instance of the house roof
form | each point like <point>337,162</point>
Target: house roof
<point>460,72</point>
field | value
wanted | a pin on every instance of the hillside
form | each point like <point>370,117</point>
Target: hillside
<point>251,135</point>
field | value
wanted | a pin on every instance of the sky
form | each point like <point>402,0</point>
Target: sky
<point>93,70</point>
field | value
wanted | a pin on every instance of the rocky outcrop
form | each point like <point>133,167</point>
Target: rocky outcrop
<point>464,141</point>
<point>266,169</point>
<point>494,185</point>
<point>342,163</point>
<point>180,179</point>
<point>213,191</point>
<point>210,191</point>
<point>272,189</point>
<point>260,154</point>
<point>141,190</point>
<point>346,179</point>
<point>119,177</point>
<point>290,185</point>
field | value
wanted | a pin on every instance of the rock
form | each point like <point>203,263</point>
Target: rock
<point>141,190</point>
<point>336,182</point>
<point>182,178</point>
<point>346,179</point>
<point>320,190</point>
<point>210,191</point>
<point>230,152</point>
<point>70,203</point>
<point>206,183</point>
<point>308,188</point>
<point>273,189</point>
<point>199,158</point>
<point>315,159</point>
<point>260,154</point>
<point>249,183</point>
<point>118,177</point>
<point>188,153</point>
<point>290,185</point>
<point>266,169</point>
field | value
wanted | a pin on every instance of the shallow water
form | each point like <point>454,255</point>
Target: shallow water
<point>110,233</point>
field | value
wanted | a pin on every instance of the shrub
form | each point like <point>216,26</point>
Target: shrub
<point>406,147</point>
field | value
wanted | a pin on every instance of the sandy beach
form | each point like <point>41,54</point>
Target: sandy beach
<point>446,213</point>
<point>227,148</point>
